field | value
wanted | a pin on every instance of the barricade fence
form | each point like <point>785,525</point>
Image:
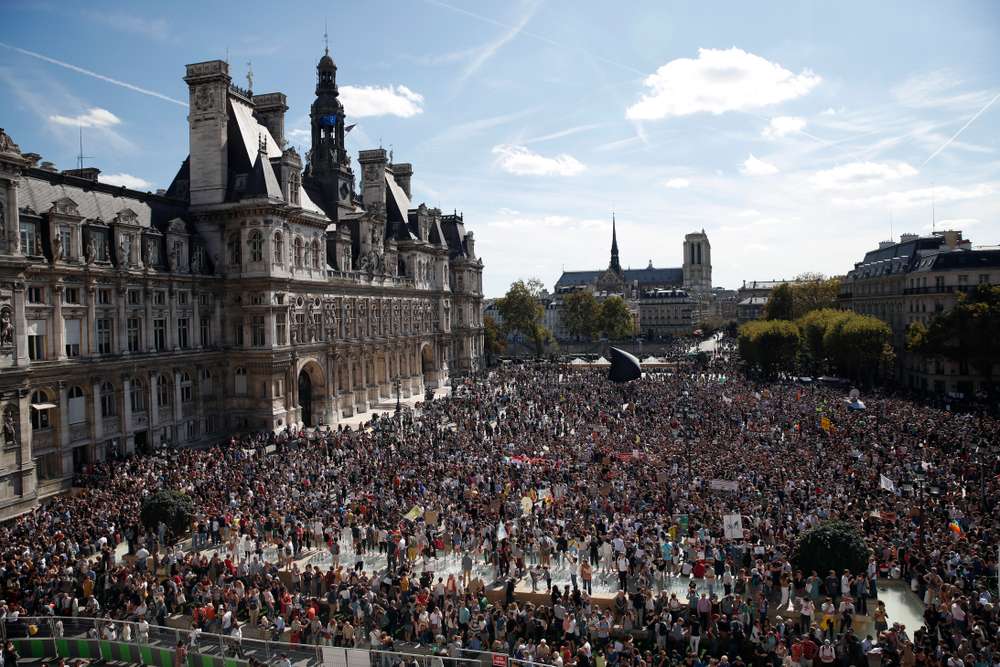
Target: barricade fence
<point>130,641</point>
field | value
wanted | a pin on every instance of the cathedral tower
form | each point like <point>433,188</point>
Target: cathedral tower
<point>614,265</point>
<point>697,267</point>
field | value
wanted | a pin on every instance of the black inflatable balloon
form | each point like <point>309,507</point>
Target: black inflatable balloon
<point>624,366</point>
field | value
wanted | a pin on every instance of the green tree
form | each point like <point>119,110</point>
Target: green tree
<point>493,339</point>
<point>780,305</point>
<point>813,291</point>
<point>615,319</point>
<point>174,508</point>
<point>916,336</point>
<point>813,326</point>
<point>770,346</point>
<point>522,313</point>
<point>969,333</point>
<point>581,314</point>
<point>834,545</point>
<point>856,346</point>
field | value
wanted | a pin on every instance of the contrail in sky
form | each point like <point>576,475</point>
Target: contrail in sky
<point>961,129</point>
<point>107,79</point>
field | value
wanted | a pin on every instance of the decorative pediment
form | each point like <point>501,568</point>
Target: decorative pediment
<point>177,226</point>
<point>127,216</point>
<point>7,144</point>
<point>65,206</point>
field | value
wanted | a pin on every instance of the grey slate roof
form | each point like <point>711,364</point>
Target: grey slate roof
<point>647,276</point>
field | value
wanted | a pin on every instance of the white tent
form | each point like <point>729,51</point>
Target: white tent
<point>578,362</point>
<point>652,360</point>
<point>601,361</point>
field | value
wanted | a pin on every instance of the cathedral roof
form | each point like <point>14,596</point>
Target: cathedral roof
<point>647,276</point>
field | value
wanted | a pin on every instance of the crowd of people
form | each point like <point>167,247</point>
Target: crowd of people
<point>541,468</point>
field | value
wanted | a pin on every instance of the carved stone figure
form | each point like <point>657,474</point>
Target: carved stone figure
<point>38,246</point>
<point>10,426</point>
<point>91,254</point>
<point>57,248</point>
<point>6,328</point>
<point>134,247</point>
<point>196,261</point>
<point>122,251</point>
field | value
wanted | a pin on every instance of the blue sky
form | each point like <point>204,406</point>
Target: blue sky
<point>796,134</point>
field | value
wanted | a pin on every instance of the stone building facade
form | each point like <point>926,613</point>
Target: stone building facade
<point>914,280</point>
<point>252,294</point>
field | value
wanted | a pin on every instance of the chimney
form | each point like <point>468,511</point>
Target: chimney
<point>208,119</point>
<point>470,245</point>
<point>49,167</point>
<point>906,238</point>
<point>87,173</point>
<point>403,172</point>
<point>373,164</point>
<point>269,109</point>
<point>885,244</point>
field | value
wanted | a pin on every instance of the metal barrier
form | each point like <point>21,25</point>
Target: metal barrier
<point>123,641</point>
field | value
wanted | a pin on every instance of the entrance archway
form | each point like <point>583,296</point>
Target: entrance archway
<point>427,359</point>
<point>306,398</point>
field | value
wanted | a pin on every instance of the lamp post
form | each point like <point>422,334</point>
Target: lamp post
<point>398,406</point>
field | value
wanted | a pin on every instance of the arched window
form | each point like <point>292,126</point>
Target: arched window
<point>298,252</point>
<point>256,243</point>
<point>137,395</point>
<point>40,411</point>
<point>279,248</point>
<point>308,257</point>
<point>317,258</point>
<point>186,391</point>
<point>241,381</point>
<point>233,245</point>
<point>108,407</point>
<point>77,405</point>
<point>164,392</point>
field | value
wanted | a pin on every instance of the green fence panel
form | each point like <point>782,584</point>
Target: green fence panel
<point>62,648</point>
<point>146,655</point>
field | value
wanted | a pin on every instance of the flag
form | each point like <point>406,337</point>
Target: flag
<point>415,512</point>
<point>824,423</point>
<point>954,527</point>
<point>501,531</point>
<point>886,483</point>
<point>350,127</point>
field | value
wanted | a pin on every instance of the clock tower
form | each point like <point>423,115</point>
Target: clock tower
<point>329,171</point>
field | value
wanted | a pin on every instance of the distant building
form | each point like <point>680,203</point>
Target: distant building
<point>752,297</point>
<point>912,281</point>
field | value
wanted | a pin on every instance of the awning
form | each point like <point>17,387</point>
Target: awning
<point>43,406</point>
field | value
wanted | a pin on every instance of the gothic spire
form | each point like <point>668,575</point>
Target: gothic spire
<point>615,265</point>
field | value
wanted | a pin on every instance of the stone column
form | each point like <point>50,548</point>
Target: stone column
<point>63,416</point>
<point>95,385</point>
<point>152,383</point>
<point>21,336</point>
<point>121,337</point>
<point>178,413</point>
<point>128,443</point>
<point>91,334</point>
<point>58,325</point>
<point>195,331</point>
<point>148,341</point>
<point>172,343</point>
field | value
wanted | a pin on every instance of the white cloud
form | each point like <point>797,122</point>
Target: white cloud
<point>363,101</point>
<point>924,197</point>
<point>521,161</point>
<point>128,180</point>
<point>756,167</point>
<point>718,81</point>
<point>677,183</point>
<point>938,89</point>
<point>783,125</point>
<point>94,117</point>
<point>862,174</point>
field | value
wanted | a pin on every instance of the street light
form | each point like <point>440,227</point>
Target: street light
<point>398,406</point>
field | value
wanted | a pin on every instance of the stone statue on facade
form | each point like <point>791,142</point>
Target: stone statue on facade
<point>91,254</point>
<point>6,328</point>
<point>196,262</point>
<point>57,248</point>
<point>122,251</point>
<point>9,426</point>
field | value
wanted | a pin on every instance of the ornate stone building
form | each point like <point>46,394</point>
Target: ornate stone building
<point>251,294</point>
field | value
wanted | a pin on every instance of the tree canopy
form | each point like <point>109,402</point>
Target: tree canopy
<point>968,333</point>
<point>616,320</point>
<point>770,346</point>
<point>581,313</point>
<point>493,339</point>
<point>522,312</point>
<point>174,508</point>
<point>809,292</point>
<point>830,546</point>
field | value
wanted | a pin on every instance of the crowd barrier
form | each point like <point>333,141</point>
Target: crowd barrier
<point>122,641</point>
